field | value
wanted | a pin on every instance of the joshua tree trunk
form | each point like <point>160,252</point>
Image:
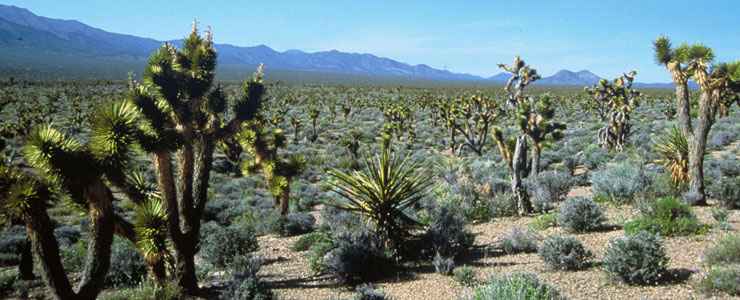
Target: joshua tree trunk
<point>697,147</point>
<point>40,231</point>
<point>100,205</point>
<point>25,267</point>
<point>536,153</point>
<point>285,200</point>
<point>683,106</point>
<point>519,162</point>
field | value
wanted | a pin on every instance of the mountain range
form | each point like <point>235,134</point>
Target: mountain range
<point>32,44</point>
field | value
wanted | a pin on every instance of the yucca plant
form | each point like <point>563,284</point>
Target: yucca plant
<point>673,148</point>
<point>382,192</point>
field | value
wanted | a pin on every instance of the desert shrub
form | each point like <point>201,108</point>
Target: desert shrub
<point>307,241</point>
<point>146,291</point>
<point>127,266</point>
<point>357,257</point>
<point>721,215</point>
<point>547,188</point>
<point>297,223</point>
<point>594,156</point>
<point>465,276</point>
<point>7,283</point>
<point>11,242</point>
<point>73,257</point>
<point>334,219</point>
<point>244,282</point>
<point>220,245</point>
<point>726,251</point>
<point>67,235</point>
<point>519,241</point>
<point>581,215</point>
<point>720,139</point>
<point>620,182</point>
<point>316,255</point>
<point>727,191</point>
<point>667,216</point>
<point>443,264</point>
<point>636,259</point>
<point>503,205</point>
<point>446,234</point>
<point>516,286</point>
<point>368,292</point>
<point>722,278</point>
<point>564,253</point>
<point>544,221</point>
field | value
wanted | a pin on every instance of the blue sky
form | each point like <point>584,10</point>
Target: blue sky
<point>606,37</point>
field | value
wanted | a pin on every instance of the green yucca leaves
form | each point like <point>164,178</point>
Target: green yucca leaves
<point>382,192</point>
<point>151,229</point>
<point>114,129</point>
<point>663,51</point>
<point>673,148</point>
<point>61,158</point>
<point>17,191</point>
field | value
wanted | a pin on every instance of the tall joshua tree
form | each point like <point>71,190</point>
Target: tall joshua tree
<point>175,114</point>
<point>178,101</point>
<point>715,83</point>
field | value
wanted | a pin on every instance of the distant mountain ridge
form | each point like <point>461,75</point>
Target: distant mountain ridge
<point>39,44</point>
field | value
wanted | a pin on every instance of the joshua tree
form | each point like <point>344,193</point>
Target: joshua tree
<point>263,144</point>
<point>313,114</point>
<point>347,108</point>
<point>174,112</point>
<point>295,122</point>
<point>615,101</point>
<point>470,117</point>
<point>522,76</point>
<point>715,83</point>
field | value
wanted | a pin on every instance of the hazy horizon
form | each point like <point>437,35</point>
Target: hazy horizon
<point>606,38</point>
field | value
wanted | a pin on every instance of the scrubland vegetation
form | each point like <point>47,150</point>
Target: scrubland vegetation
<point>177,186</point>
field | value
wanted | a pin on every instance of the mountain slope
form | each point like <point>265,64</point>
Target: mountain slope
<point>28,35</point>
<point>40,47</point>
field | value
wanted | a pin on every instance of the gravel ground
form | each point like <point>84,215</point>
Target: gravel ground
<point>289,275</point>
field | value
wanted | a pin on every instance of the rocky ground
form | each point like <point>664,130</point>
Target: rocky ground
<point>288,272</point>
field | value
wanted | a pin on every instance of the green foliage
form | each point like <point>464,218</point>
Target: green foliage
<point>619,182</point>
<point>465,275</point>
<point>387,186</point>
<point>581,215</point>
<point>564,253</point>
<point>519,241</point>
<point>636,259</point>
<point>673,149</point>
<point>724,279</point>
<point>244,282</point>
<point>358,257</point>
<point>307,241</point>
<point>127,266</point>
<point>146,291</point>
<point>666,216</point>
<point>221,245</point>
<point>544,221</point>
<point>368,292</point>
<point>725,252</point>
<point>516,286</point>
